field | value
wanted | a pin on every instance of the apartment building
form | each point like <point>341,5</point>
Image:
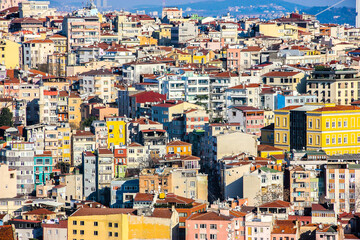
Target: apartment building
<point>258,182</point>
<point>36,52</point>
<point>43,164</point>
<point>10,54</point>
<point>251,119</point>
<point>105,173</point>
<point>89,175</point>
<point>331,85</point>
<point>64,145</point>
<point>24,168</point>
<point>81,31</point>
<point>8,181</point>
<point>183,32</point>
<point>116,127</point>
<point>341,189</point>
<point>287,80</point>
<point>48,106</point>
<point>244,94</point>
<point>306,187</point>
<point>81,141</point>
<point>100,83</point>
<point>35,9</point>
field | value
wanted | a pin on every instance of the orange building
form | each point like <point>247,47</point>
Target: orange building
<point>179,147</point>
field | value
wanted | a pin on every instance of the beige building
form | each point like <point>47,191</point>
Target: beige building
<point>81,141</point>
<point>231,176</point>
<point>258,183</point>
<point>99,83</point>
<point>60,43</point>
<point>294,81</point>
<point>334,86</point>
<point>35,9</point>
<point>190,184</point>
<point>284,31</point>
<point>36,52</point>
<point>8,181</point>
<point>341,186</point>
<point>74,186</point>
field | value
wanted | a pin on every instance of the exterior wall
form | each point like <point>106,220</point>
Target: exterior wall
<point>207,229</point>
<point>53,233</point>
<point>8,182</point>
<point>232,180</point>
<point>116,131</point>
<point>10,56</point>
<point>190,184</point>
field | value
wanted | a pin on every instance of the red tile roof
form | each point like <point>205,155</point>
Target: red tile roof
<point>337,108</point>
<point>209,216</point>
<point>172,198</point>
<point>149,97</point>
<point>102,211</point>
<point>39,211</point>
<point>280,74</point>
<point>276,204</point>
<point>104,151</point>
<point>61,224</point>
<point>6,232</point>
<point>267,148</point>
<point>135,144</point>
<point>143,120</point>
<point>143,197</point>
<point>178,143</point>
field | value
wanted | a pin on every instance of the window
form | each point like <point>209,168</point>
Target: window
<point>196,226</point>
<point>196,236</point>
<point>285,138</point>
<point>116,225</point>
<point>116,234</point>
<point>82,223</point>
<point>82,232</point>
<point>339,124</point>
<point>310,123</point>
<point>333,124</point>
<point>345,124</point>
<point>202,225</point>
<point>317,123</point>
<point>202,236</point>
<point>74,222</point>
<point>213,236</point>
<point>277,121</point>
<point>213,226</point>
<point>95,224</point>
<point>310,140</point>
<point>96,233</point>
<point>110,234</point>
<point>327,124</point>
<point>74,232</point>
<point>110,224</point>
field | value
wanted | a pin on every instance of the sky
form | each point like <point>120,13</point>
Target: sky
<point>347,3</point>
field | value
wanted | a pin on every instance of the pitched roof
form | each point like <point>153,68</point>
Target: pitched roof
<point>268,148</point>
<point>337,108</point>
<point>178,143</point>
<point>172,198</point>
<point>143,120</point>
<point>276,204</point>
<point>102,211</point>
<point>284,227</point>
<point>6,232</point>
<point>61,224</point>
<point>97,72</point>
<point>39,211</point>
<point>135,144</point>
<point>280,74</point>
<point>209,216</point>
<point>150,96</point>
<point>143,197</point>
<point>244,86</point>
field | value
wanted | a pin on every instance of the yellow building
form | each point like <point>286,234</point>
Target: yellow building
<point>74,110</point>
<point>116,131</point>
<point>285,31</point>
<point>64,136</point>
<point>121,224</point>
<point>147,40</point>
<point>265,151</point>
<point>334,129</point>
<point>179,147</point>
<point>9,54</point>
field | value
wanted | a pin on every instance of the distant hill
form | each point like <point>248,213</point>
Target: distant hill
<point>335,15</point>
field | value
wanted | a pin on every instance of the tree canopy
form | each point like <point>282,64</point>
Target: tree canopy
<point>6,117</point>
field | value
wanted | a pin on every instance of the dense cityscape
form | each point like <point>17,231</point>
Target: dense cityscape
<point>171,125</point>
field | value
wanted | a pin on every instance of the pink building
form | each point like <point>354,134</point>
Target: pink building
<point>233,58</point>
<point>9,4</point>
<point>215,225</point>
<point>251,119</point>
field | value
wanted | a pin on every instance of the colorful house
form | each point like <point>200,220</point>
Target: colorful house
<point>179,147</point>
<point>43,163</point>
<point>116,131</point>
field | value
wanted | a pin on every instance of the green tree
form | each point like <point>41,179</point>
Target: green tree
<point>87,122</point>
<point>6,117</point>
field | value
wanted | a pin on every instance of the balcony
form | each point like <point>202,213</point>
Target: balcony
<point>300,180</point>
<point>300,199</point>
<point>300,189</point>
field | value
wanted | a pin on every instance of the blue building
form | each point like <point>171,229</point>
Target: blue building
<point>123,192</point>
<point>43,163</point>
<point>293,99</point>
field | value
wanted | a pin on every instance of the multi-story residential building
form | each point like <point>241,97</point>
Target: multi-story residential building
<point>60,43</point>
<point>105,173</point>
<point>233,57</point>
<point>81,31</point>
<point>171,12</point>
<point>139,104</point>
<point>224,224</point>
<point>35,9</point>
<point>339,86</point>
<point>36,52</point>
<point>99,83</point>
<point>89,175</point>
<point>55,230</point>
<point>9,54</point>
<point>56,64</point>
<point>341,189</point>
<point>258,182</point>
<point>132,71</point>
<point>306,187</point>
<point>48,106</point>
<point>64,146</point>
<point>100,130</point>
<point>123,192</point>
<point>116,127</point>
<point>43,164</point>
<point>51,142</point>
<point>81,141</point>
<point>137,156</point>
<point>285,229</point>
<point>110,223</point>
<point>293,99</point>
<point>244,94</point>
<point>259,227</point>
<point>251,119</point>
<point>24,168</point>
<point>183,32</point>
<point>74,103</point>
<point>127,26</point>
<point>8,183</point>
<point>72,186</point>
<point>295,81</point>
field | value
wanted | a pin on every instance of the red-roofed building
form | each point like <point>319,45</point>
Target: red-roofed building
<point>39,215</point>
<point>57,230</point>
<point>140,103</point>
<point>285,229</point>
